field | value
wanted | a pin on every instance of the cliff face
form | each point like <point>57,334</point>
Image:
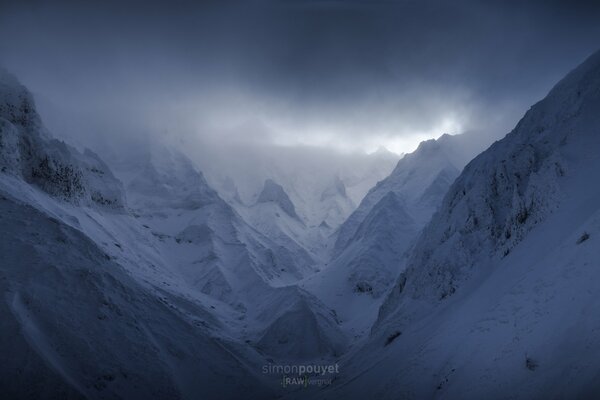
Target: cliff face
<point>28,152</point>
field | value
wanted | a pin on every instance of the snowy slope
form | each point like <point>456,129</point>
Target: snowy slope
<point>77,322</point>
<point>164,292</point>
<point>172,197</point>
<point>370,245</point>
<point>206,243</point>
<point>419,180</point>
<point>219,255</point>
<point>28,152</point>
<point>500,298</point>
<point>305,242</point>
<point>274,193</point>
<point>306,195</point>
<point>274,215</point>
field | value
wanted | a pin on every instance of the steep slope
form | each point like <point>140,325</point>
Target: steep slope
<point>206,242</point>
<point>274,215</point>
<point>297,327</point>
<point>204,233</point>
<point>418,179</point>
<point>163,296</point>
<point>272,192</point>
<point>163,179</point>
<point>305,243</point>
<point>77,322</point>
<point>370,246</point>
<point>500,297</point>
<point>299,204</point>
<point>90,308</point>
<point>27,151</point>
<point>335,203</point>
<point>372,234</point>
<point>514,185</point>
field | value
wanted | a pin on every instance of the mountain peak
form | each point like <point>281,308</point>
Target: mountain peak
<point>273,192</point>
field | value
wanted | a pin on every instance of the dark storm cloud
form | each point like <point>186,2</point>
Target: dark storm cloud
<point>320,72</point>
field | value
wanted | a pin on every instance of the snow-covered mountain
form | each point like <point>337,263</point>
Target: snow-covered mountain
<point>273,214</point>
<point>28,152</point>
<point>87,312</point>
<point>298,197</point>
<point>369,247</point>
<point>274,193</point>
<point>419,180</point>
<point>140,284</point>
<point>323,185</point>
<point>136,279</point>
<point>500,297</point>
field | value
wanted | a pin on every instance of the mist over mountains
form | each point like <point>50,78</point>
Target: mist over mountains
<point>299,200</point>
<point>171,281</point>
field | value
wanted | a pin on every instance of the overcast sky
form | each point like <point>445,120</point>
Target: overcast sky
<point>350,75</point>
